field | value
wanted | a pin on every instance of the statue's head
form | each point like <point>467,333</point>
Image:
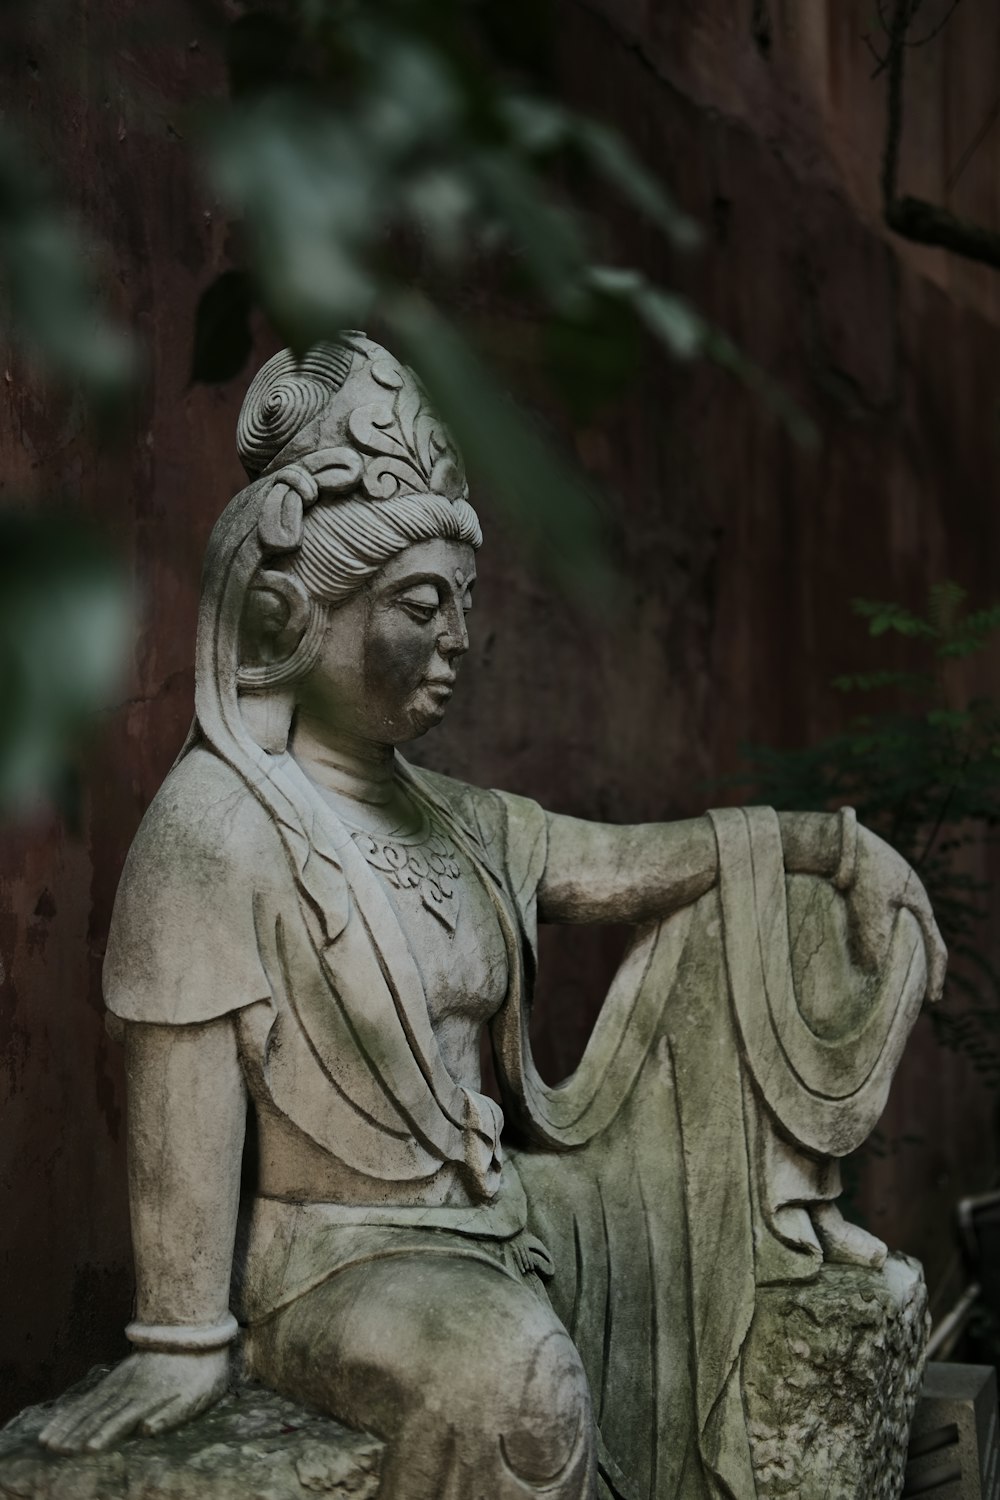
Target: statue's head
<point>358,547</point>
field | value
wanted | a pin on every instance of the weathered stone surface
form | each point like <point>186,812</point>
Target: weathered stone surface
<point>831,1379</point>
<point>307,921</point>
<point>253,1446</point>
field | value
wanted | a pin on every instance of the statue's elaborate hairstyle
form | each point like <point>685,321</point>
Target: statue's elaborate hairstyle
<point>368,471</point>
<point>348,465</point>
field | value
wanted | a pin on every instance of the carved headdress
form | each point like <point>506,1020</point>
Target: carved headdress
<point>348,465</point>
<point>354,402</point>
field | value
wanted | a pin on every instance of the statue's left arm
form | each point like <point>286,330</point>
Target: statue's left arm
<point>601,872</point>
<point>604,872</point>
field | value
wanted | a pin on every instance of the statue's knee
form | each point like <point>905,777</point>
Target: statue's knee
<point>547,1408</point>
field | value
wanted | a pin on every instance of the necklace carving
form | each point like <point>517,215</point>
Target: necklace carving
<point>426,865</point>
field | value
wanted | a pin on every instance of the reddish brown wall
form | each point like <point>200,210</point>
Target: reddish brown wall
<point>740,551</point>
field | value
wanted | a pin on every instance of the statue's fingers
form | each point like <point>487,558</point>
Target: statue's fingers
<point>80,1420</point>
<point>54,1430</point>
<point>935,951</point>
<point>70,1415</point>
<point>116,1424</point>
<point>918,901</point>
<point>937,964</point>
<point>170,1414</point>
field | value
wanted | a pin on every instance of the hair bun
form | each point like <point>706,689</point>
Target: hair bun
<point>284,395</point>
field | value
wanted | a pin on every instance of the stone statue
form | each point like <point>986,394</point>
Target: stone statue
<point>307,922</point>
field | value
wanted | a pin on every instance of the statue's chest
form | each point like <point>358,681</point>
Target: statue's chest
<point>448,918</point>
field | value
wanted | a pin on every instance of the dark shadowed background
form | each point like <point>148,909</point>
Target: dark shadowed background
<point>740,550</point>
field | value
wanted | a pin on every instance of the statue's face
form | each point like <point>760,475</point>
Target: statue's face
<point>388,664</point>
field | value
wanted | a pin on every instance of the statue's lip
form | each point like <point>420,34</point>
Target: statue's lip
<point>440,682</point>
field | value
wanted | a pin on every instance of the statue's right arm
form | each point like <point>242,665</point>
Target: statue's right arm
<point>186,1120</point>
<point>601,872</point>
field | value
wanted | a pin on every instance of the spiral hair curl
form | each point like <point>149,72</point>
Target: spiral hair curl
<point>284,395</point>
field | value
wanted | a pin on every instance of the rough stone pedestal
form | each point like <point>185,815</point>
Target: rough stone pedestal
<point>253,1446</point>
<point>831,1378</point>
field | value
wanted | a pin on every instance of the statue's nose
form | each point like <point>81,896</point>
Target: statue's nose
<point>454,640</point>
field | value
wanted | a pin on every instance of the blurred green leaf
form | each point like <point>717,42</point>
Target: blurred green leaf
<point>871,682</point>
<point>591,357</point>
<point>883,617</point>
<point>944,601</point>
<point>609,155</point>
<point>550,508</point>
<point>541,231</point>
<point>412,102</point>
<point>439,202</point>
<point>685,334</point>
<point>307,197</point>
<point>49,293</point>
<point>542,127</point>
<point>65,623</point>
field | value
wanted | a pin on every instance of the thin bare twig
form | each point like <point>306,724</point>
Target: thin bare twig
<point>882,59</point>
<point>935,31</point>
<point>902,15</point>
<point>914,218</point>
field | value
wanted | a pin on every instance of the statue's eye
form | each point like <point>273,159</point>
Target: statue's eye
<point>421,603</point>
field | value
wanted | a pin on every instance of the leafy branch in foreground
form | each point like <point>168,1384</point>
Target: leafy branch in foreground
<point>926,776</point>
<point>371,154</point>
<point>65,613</point>
<point>47,286</point>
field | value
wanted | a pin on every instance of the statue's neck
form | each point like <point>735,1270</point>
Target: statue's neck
<point>343,763</point>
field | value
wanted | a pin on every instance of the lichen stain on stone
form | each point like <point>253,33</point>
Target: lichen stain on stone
<point>831,1374</point>
<point>253,1445</point>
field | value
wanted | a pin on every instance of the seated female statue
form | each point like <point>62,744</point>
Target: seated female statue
<point>307,922</point>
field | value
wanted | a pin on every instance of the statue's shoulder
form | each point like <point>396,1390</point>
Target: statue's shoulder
<point>182,945</point>
<point>511,829</point>
<point>203,811</point>
<point>479,811</point>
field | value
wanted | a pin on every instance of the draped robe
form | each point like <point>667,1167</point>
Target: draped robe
<point>737,1055</point>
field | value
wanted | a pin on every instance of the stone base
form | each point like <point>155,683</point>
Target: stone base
<point>831,1376</point>
<point>253,1446</point>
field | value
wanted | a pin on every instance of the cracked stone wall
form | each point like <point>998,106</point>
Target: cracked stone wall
<point>741,551</point>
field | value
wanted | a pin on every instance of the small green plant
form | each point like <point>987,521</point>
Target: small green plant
<point>925,775</point>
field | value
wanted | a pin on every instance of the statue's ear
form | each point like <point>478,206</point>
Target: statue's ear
<point>275,616</point>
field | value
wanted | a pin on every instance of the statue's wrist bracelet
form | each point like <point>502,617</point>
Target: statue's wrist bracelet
<point>183,1338</point>
<point>843,876</point>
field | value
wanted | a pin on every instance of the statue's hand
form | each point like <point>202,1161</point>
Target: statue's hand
<point>883,884</point>
<point>149,1391</point>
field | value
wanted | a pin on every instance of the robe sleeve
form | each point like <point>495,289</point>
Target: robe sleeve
<point>525,851</point>
<point>182,947</point>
